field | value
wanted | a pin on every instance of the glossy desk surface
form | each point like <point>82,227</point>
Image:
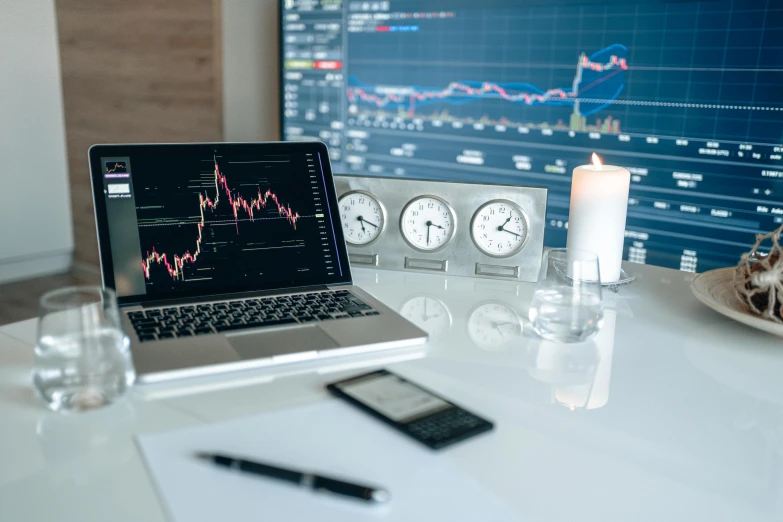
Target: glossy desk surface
<point>672,413</point>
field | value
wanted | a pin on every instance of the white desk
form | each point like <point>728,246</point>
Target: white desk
<point>674,413</point>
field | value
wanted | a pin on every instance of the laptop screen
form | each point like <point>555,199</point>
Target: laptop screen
<point>197,220</point>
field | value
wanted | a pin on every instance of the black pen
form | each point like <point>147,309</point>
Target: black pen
<point>305,480</point>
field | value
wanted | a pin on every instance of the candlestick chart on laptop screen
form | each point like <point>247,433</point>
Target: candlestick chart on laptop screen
<point>684,94</point>
<point>190,220</point>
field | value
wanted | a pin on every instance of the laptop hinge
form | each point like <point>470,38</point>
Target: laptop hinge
<point>221,297</point>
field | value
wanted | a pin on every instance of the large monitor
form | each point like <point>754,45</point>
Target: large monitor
<point>687,95</point>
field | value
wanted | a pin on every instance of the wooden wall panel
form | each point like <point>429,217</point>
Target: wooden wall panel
<point>135,71</point>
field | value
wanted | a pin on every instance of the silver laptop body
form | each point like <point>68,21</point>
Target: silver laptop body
<point>239,265</point>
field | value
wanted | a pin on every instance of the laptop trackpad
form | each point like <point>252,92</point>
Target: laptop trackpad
<point>259,345</point>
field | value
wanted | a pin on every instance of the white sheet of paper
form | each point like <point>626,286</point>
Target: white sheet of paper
<point>329,438</point>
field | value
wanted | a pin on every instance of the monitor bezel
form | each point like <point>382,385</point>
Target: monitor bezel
<point>280,70</point>
<point>102,225</point>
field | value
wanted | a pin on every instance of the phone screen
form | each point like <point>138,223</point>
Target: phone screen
<point>394,397</point>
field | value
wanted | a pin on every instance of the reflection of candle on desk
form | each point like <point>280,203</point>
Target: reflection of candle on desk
<point>596,222</point>
<point>595,394</point>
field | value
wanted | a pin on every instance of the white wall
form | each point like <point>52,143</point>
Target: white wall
<point>250,58</point>
<point>36,235</point>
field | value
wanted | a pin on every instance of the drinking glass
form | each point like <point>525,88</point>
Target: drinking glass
<point>82,355</point>
<point>567,304</point>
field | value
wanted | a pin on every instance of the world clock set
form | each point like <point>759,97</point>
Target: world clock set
<point>467,229</point>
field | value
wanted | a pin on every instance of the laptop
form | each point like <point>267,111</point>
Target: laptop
<point>231,256</point>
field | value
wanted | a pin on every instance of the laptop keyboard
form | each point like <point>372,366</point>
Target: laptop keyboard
<point>205,319</point>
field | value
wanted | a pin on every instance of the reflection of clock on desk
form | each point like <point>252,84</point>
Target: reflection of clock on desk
<point>428,313</point>
<point>466,229</point>
<point>493,324</point>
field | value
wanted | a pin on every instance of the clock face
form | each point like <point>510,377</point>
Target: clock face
<point>491,325</point>
<point>427,313</point>
<point>499,228</point>
<point>427,223</point>
<point>362,216</point>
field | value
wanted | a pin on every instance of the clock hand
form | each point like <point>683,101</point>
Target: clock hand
<point>368,222</point>
<point>434,225</point>
<point>362,223</point>
<point>497,326</point>
<point>429,224</point>
<point>510,232</point>
<point>506,221</point>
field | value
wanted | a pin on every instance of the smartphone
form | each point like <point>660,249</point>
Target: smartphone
<point>409,408</point>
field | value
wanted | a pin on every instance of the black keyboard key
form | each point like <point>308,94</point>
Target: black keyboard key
<point>170,311</point>
<point>227,327</point>
<point>276,322</point>
<point>166,335</point>
<point>355,313</point>
<point>342,292</point>
<point>154,313</point>
<point>146,331</point>
<point>136,315</point>
<point>145,322</point>
<point>342,316</point>
<point>146,337</point>
<point>372,313</point>
<point>185,333</point>
<point>307,319</point>
<point>324,317</point>
<point>349,309</point>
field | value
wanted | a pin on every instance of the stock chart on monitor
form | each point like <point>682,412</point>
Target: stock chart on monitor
<point>686,95</point>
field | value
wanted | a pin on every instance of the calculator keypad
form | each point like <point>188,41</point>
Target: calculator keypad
<point>440,428</point>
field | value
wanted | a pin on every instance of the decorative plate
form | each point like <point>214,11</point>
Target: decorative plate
<point>716,290</point>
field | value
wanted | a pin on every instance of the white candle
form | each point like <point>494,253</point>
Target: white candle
<point>596,222</point>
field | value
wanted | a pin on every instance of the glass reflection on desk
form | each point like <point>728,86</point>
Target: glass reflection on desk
<point>579,374</point>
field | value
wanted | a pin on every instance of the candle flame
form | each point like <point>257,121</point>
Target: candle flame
<point>597,161</point>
